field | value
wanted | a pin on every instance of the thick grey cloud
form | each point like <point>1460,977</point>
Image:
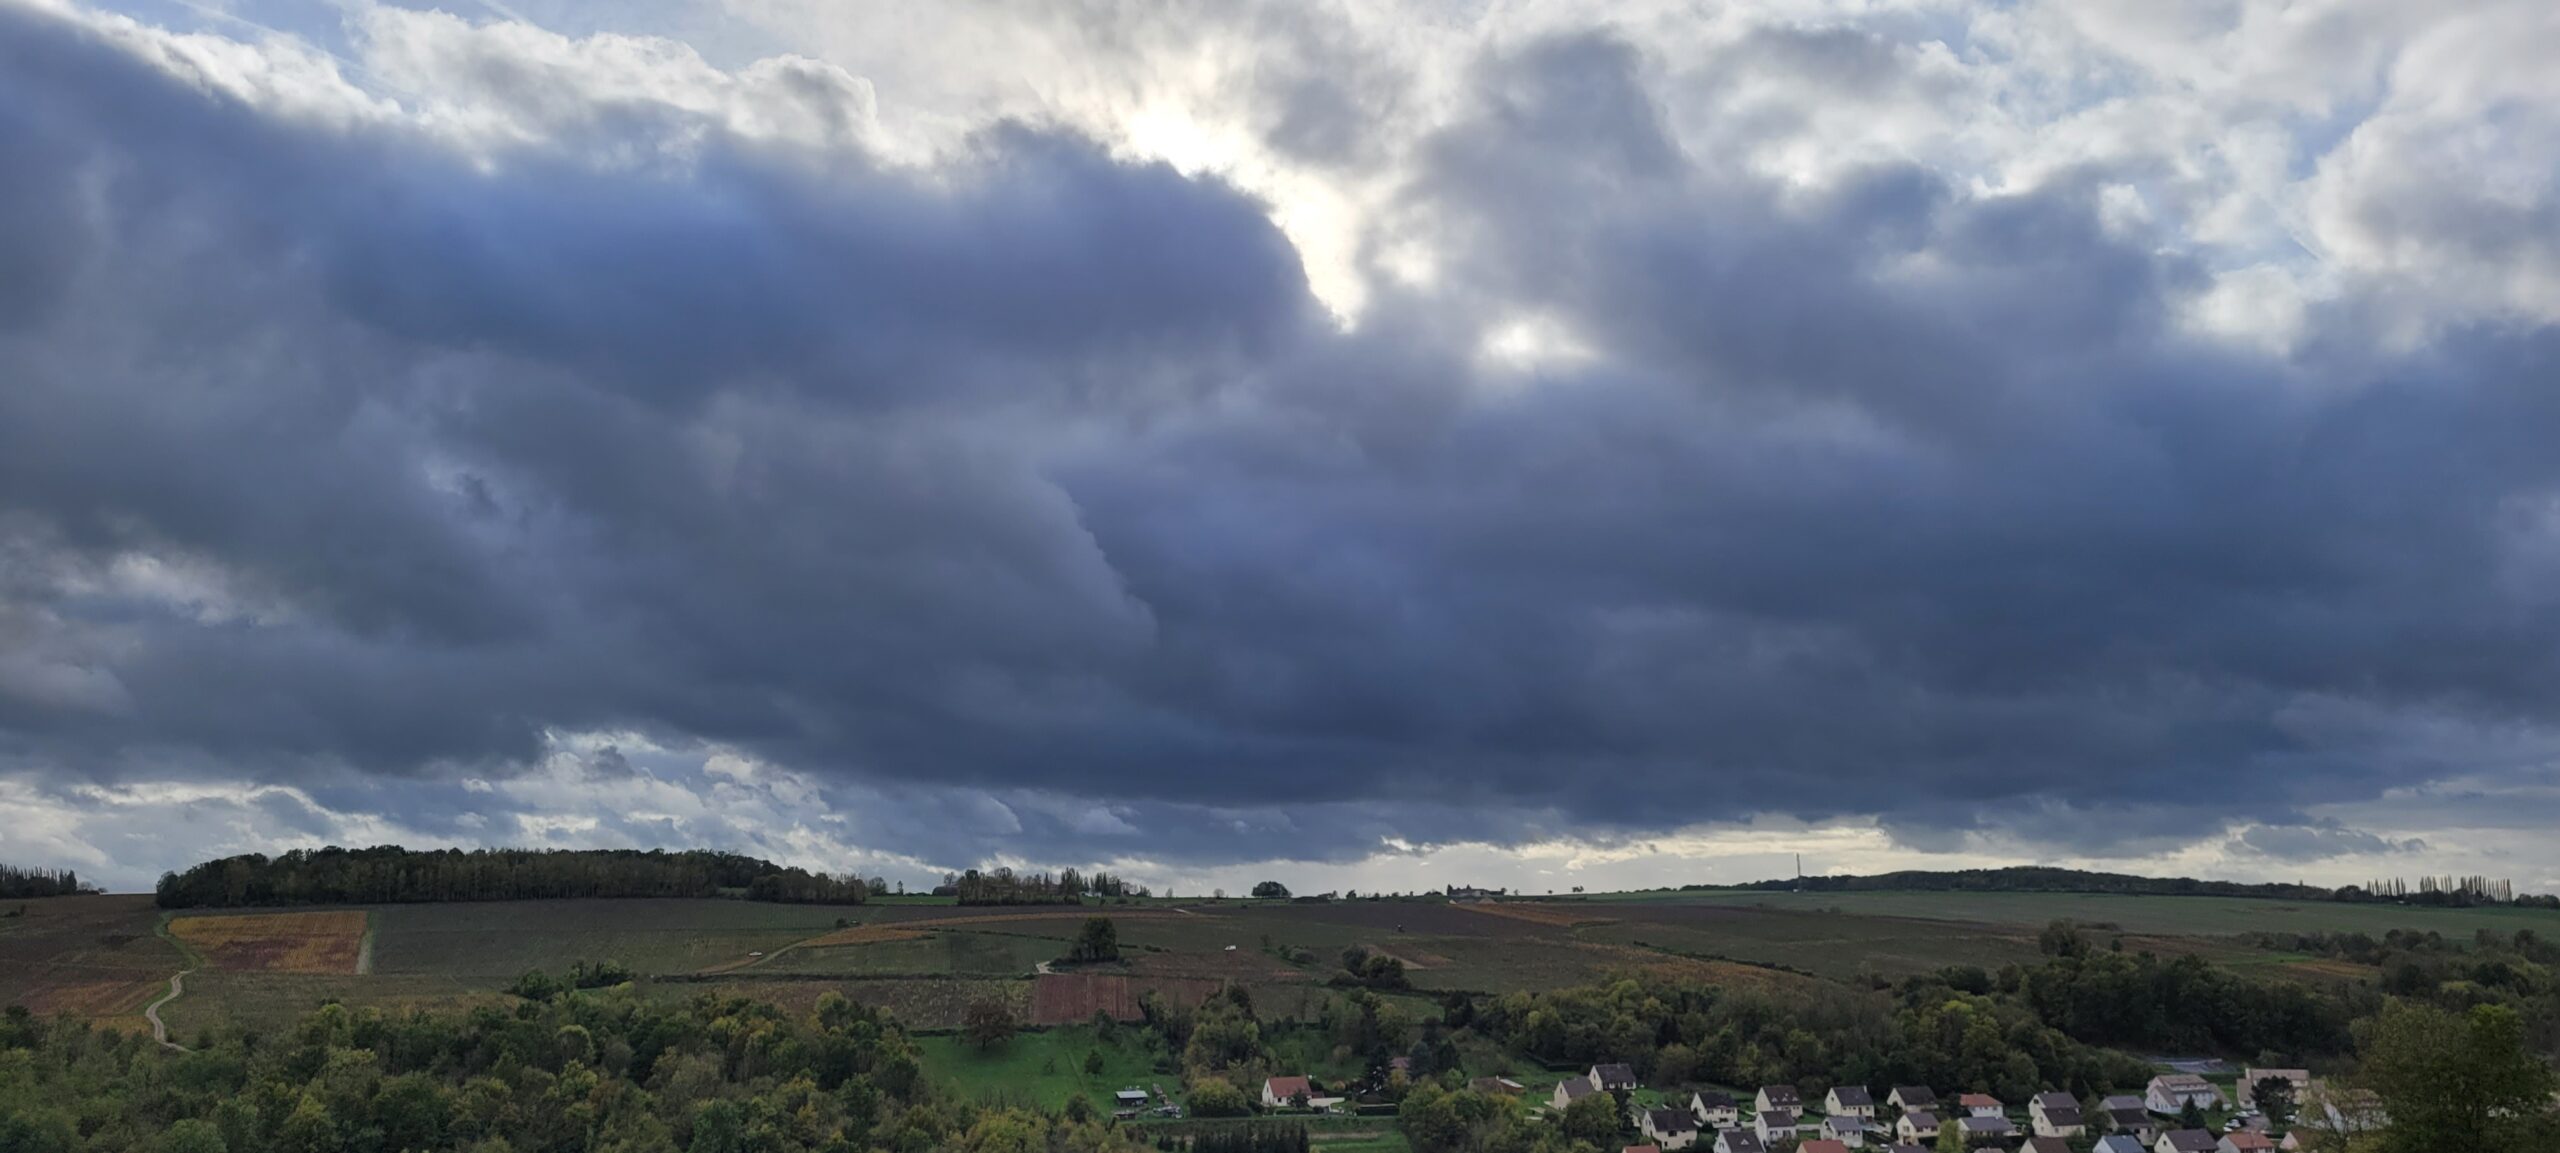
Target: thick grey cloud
<point>341,454</point>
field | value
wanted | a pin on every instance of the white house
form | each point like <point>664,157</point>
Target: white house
<point>1909,1097</point>
<point>1850,1101</point>
<point>1917,1126</point>
<point>2119,1143</point>
<point>1774,1125</point>
<point>1668,1129</point>
<point>2056,1115</point>
<point>1848,1131</point>
<point>2171,1093</point>
<point>1777,1097</point>
<point>1284,1092</point>
<point>1981,1105</point>
<point>1613,1078</point>
<point>1570,1090</point>
<point>1715,1110</point>
<point>2247,1141</point>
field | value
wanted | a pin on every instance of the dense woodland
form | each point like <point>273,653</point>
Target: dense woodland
<point>607,1071</point>
<point>390,874</point>
<point>2443,891</point>
<point>16,883</point>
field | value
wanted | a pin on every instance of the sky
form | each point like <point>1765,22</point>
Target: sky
<point>1376,445</point>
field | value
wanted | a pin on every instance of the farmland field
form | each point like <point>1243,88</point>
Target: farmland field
<point>95,958</point>
<point>302,942</point>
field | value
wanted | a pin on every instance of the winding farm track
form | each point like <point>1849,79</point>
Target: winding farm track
<point>151,1012</point>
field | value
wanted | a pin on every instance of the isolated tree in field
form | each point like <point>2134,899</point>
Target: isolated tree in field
<point>1099,941</point>
<point>1270,889</point>
<point>987,1023</point>
<point>2451,1081</point>
<point>1093,1063</point>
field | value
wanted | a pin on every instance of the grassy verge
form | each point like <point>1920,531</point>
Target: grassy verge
<point>1047,1067</point>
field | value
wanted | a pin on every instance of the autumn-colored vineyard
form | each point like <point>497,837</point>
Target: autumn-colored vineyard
<point>320,942</point>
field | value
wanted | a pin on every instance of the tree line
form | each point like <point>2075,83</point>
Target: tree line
<point>1003,886</point>
<point>2453,891</point>
<point>17,882</point>
<point>390,874</point>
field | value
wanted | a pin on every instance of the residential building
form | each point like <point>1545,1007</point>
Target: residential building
<point>1981,1130</point>
<point>1286,1092</point>
<point>2119,1143</point>
<point>1774,1125</point>
<point>1918,1126</point>
<point>2249,1078</point>
<point>1739,1141</point>
<point>1613,1078</point>
<point>1777,1097</point>
<point>2045,1145</point>
<point>1981,1105</point>
<point>2247,1141</point>
<point>2058,1121</point>
<point>1498,1086</point>
<point>2186,1141</point>
<point>1570,1090</point>
<point>2170,1094</point>
<point>1850,1101</point>
<point>1909,1097</point>
<point>1848,1131</point>
<point>1822,1145</point>
<point>1714,1109</point>
<point>1668,1128</point>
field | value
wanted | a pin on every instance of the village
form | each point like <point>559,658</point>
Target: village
<point>2178,1112</point>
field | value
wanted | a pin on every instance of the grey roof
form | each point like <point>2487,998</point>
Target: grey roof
<point>1783,1094</point>
<point>2056,1101</point>
<point>1672,1120</point>
<point>1987,1125</point>
<point>1921,1094</point>
<point>1853,1095</point>
<point>1715,1099</point>
<point>1576,1088</point>
<point>1843,1125</point>
<point>1614,1072</point>
<point>2121,1101</point>
<point>1740,1141</point>
<point>2119,1144</point>
<point>2192,1141</point>
<point>1778,1117</point>
<point>2063,1115</point>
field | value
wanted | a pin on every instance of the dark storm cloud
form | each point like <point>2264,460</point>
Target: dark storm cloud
<point>1036,481</point>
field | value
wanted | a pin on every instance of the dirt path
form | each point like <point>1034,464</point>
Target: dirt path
<point>151,1012</point>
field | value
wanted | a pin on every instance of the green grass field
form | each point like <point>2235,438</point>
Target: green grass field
<point>1046,1068</point>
